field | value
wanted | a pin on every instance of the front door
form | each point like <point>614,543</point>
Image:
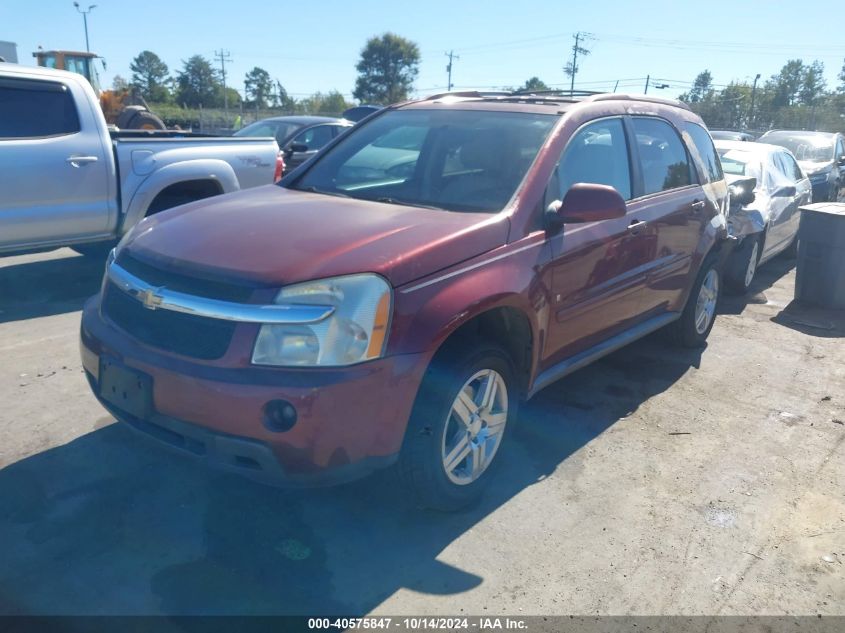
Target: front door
<point>598,267</point>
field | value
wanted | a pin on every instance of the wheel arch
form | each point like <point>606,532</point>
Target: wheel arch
<point>190,171</point>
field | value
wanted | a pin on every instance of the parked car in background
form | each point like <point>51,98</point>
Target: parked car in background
<point>299,137</point>
<point>68,181</point>
<point>821,155</point>
<point>765,223</point>
<point>349,319</point>
<point>730,135</point>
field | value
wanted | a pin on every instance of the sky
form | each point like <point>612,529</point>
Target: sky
<point>311,46</point>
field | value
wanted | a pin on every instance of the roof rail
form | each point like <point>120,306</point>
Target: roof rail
<point>477,94</point>
<point>556,93</point>
<point>612,96</point>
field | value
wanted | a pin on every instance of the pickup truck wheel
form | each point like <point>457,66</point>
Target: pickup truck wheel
<point>466,404</point>
<point>696,321</point>
<point>743,266</point>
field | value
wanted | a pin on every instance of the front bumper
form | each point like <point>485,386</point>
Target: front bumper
<point>350,420</point>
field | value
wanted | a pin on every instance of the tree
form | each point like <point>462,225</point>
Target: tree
<point>813,85</point>
<point>786,85</point>
<point>702,88</point>
<point>387,69</point>
<point>119,84</point>
<point>842,78</point>
<point>198,83</point>
<point>533,84</point>
<point>281,98</point>
<point>151,76</point>
<point>258,87</point>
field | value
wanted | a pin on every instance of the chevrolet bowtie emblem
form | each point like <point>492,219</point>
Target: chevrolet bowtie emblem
<point>149,298</point>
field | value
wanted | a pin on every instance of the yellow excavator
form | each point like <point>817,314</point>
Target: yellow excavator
<point>126,109</point>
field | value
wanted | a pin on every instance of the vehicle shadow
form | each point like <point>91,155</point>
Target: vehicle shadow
<point>47,286</point>
<point>812,320</point>
<point>766,277</point>
<point>113,524</point>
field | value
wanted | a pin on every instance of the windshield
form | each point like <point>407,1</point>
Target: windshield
<point>458,160</point>
<point>739,163</point>
<point>806,147</point>
<point>279,130</point>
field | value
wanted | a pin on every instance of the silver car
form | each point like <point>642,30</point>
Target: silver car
<point>766,223</point>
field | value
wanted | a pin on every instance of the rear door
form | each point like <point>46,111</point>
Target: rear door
<point>673,207</point>
<point>598,268</point>
<point>53,168</point>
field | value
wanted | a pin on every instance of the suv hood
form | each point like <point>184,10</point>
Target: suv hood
<point>273,236</point>
<point>811,168</point>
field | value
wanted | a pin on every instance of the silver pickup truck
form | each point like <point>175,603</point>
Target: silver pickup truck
<point>67,180</point>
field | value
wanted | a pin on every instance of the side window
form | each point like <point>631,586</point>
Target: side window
<point>791,167</point>
<point>36,109</point>
<point>598,153</point>
<point>664,160</point>
<point>315,137</point>
<point>840,149</point>
<point>703,145</point>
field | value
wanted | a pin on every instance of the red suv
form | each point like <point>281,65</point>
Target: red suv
<point>395,298</point>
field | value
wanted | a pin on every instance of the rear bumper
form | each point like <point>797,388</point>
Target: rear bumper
<point>350,420</point>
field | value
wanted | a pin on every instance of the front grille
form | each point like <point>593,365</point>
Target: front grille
<point>209,288</point>
<point>185,334</point>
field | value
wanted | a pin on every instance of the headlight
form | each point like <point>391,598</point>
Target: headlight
<point>356,331</point>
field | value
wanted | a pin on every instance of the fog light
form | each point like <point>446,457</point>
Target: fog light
<point>279,416</point>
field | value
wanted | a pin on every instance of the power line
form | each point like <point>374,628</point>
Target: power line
<point>450,55</point>
<point>571,68</point>
<point>223,57</point>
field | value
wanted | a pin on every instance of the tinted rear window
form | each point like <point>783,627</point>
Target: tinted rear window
<point>33,109</point>
<point>703,144</point>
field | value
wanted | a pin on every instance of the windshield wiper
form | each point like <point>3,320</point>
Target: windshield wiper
<point>389,200</point>
<point>313,189</point>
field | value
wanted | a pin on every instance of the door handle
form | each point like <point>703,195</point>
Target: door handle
<point>697,205</point>
<point>636,226</point>
<point>78,161</point>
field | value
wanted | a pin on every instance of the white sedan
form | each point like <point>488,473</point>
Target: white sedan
<point>768,225</point>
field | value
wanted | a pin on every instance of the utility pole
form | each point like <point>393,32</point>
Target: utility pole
<point>223,57</point>
<point>451,55</point>
<point>85,21</point>
<point>647,79</point>
<point>571,68</point>
<point>751,110</point>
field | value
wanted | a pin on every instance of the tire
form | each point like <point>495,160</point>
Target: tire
<point>97,250</point>
<point>435,431</point>
<point>742,267</point>
<point>686,332</point>
<point>145,120</point>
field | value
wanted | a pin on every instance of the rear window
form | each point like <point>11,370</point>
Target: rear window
<point>703,145</point>
<point>663,157</point>
<point>36,109</point>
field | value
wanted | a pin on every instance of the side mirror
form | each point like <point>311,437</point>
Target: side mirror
<point>298,148</point>
<point>787,191</point>
<point>742,191</point>
<point>585,202</point>
<point>841,160</point>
